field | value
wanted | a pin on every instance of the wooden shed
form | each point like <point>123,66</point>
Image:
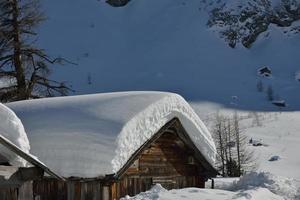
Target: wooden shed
<point>169,158</point>
<point>154,138</point>
<point>16,183</point>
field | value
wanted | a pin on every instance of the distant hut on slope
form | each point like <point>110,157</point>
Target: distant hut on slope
<point>109,145</point>
<point>264,71</point>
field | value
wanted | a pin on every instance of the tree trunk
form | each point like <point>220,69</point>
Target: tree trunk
<point>237,135</point>
<point>20,74</point>
<point>221,148</point>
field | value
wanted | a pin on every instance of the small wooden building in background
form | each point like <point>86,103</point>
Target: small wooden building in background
<point>16,183</point>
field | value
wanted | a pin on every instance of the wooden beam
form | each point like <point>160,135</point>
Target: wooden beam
<point>12,147</point>
<point>7,171</point>
<point>11,176</point>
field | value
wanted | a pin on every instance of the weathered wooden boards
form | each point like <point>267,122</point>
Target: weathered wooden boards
<point>23,192</point>
<point>165,161</point>
<point>49,189</point>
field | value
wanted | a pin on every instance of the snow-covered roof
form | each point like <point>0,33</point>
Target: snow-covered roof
<point>12,128</point>
<point>95,135</point>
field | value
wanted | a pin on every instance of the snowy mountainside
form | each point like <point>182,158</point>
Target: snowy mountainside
<point>244,21</point>
<point>166,45</point>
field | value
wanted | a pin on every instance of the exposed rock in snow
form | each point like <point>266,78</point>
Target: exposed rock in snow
<point>279,103</point>
<point>11,128</point>
<point>117,3</point>
<point>94,135</point>
<point>274,158</point>
<point>264,71</point>
<point>297,76</point>
<point>243,21</point>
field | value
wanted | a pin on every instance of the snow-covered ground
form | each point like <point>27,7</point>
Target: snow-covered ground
<point>159,193</point>
<point>253,186</point>
<point>280,134</point>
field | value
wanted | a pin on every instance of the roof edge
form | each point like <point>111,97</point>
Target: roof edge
<point>29,158</point>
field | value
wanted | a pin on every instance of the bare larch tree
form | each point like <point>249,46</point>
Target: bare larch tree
<point>233,158</point>
<point>22,64</point>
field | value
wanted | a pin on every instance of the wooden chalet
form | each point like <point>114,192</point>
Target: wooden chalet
<point>169,158</point>
<point>177,153</point>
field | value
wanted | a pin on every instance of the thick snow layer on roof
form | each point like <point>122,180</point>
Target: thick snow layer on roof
<point>94,135</point>
<point>12,128</point>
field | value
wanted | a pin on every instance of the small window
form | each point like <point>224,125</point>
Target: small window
<point>135,165</point>
<point>191,160</point>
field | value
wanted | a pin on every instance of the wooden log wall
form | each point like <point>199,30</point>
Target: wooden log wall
<point>9,194</point>
<point>50,189</point>
<point>23,192</point>
<point>167,161</point>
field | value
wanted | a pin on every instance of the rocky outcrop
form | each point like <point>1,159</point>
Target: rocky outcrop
<point>117,3</point>
<point>244,23</point>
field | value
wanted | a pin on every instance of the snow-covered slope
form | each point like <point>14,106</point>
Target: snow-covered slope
<point>94,135</point>
<point>12,128</point>
<point>279,132</point>
<point>166,45</point>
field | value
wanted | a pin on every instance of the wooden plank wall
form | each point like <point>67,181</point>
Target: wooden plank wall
<point>167,161</point>
<point>9,194</point>
<point>24,192</point>
<point>49,189</point>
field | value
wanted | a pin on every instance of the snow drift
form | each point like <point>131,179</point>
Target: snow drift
<point>12,128</point>
<point>94,135</point>
<point>159,193</point>
<point>285,187</point>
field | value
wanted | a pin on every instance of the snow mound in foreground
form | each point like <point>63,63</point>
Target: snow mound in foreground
<point>159,193</point>
<point>95,135</point>
<point>12,128</point>
<point>153,193</point>
<point>285,187</point>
